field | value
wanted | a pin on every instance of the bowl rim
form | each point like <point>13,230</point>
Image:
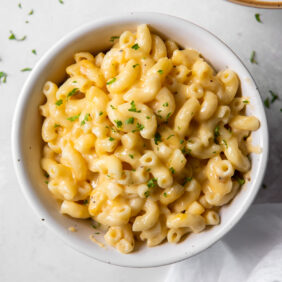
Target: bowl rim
<point>17,154</point>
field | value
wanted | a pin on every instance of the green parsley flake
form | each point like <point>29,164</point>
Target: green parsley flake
<point>160,71</point>
<point>252,58</point>
<point>168,115</point>
<point>3,77</point>
<point>131,156</point>
<point>147,117</point>
<point>113,38</point>
<point>165,194</point>
<point>46,181</point>
<point>101,113</point>
<point>31,13</point>
<point>135,46</point>
<point>133,108</point>
<point>26,69</point>
<point>157,138</point>
<point>56,125</point>
<point>61,1</point>
<point>86,117</point>
<point>169,136</point>
<point>225,143</point>
<point>152,183</point>
<point>266,103</point>
<point>72,92</point>
<point>114,108</point>
<point>139,126</point>
<point>241,181</point>
<point>274,96</point>
<point>20,5</point>
<point>147,193</point>
<point>111,139</point>
<point>216,134</point>
<point>181,141</point>
<point>165,104</point>
<point>172,170</point>
<point>33,51</point>
<point>187,179</point>
<point>246,102</point>
<point>73,118</point>
<point>134,66</point>
<point>13,37</point>
<point>118,123</point>
<point>257,17</point>
<point>85,202</point>
<point>111,81</point>
<point>130,120</point>
<point>59,102</point>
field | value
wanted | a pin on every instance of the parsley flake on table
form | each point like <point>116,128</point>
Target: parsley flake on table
<point>31,12</point>
<point>33,51</point>
<point>14,37</point>
<point>61,1</point>
<point>257,17</point>
<point>3,77</point>
<point>20,5</point>
<point>266,102</point>
<point>26,69</point>
<point>253,57</point>
<point>246,102</point>
<point>274,96</point>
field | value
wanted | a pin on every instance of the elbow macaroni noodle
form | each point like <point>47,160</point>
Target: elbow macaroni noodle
<point>146,139</point>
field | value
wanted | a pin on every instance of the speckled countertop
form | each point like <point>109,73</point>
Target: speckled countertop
<point>28,250</point>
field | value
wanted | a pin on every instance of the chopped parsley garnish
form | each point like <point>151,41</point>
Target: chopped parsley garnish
<point>187,179</point>
<point>73,118</point>
<point>113,38</point>
<point>61,1</point>
<point>118,123</point>
<point>168,115</point>
<point>13,37</point>
<point>101,113</point>
<point>135,46</point>
<point>181,141</point>
<point>241,181</point>
<point>266,102</point>
<point>165,104</point>
<point>33,51</point>
<point>86,117</point>
<point>225,143</point>
<point>111,138</point>
<point>72,92</point>
<point>147,193</point>
<point>133,108</point>
<point>152,183</point>
<point>165,194</point>
<point>85,202</point>
<point>252,58</point>
<point>134,66</point>
<point>26,69</point>
<point>216,134</point>
<point>114,108</point>
<point>3,77</point>
<point>246,102</point>
<point>157,138</point>
<point>257,16</point>
<point>274,96</point>
<point>31,12</point>
<point>131,156</point>
<point>169,136</point>
<point>46,181</point>
<point>160,71</point>
<point>59,102</point>
<point>111,81</point>
<point>139,126</point>
<point>172,170</point>
<point>130,120</point>
<point>56,125</point>
<point>148,169</point>
<point>20,5</point>
<point>147,117</point>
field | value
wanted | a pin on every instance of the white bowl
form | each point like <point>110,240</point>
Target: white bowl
<point>27,144</point>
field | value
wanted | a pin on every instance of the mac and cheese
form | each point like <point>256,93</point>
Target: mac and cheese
<point>145,139</point>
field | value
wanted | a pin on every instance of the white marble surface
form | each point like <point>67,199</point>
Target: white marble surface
<point>28,250</point>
